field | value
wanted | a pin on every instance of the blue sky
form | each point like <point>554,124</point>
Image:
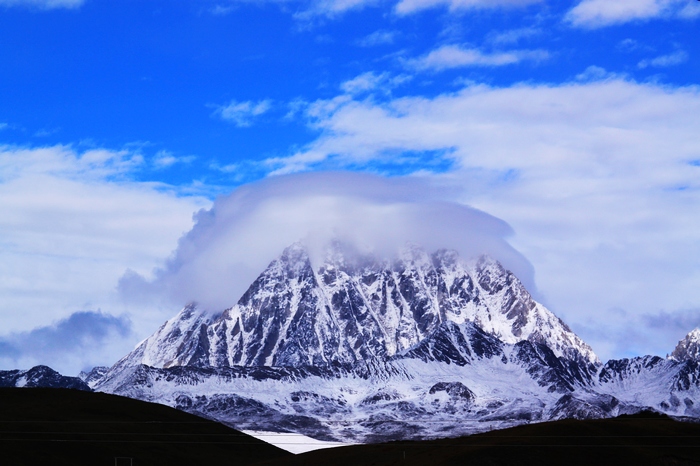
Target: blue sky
<point>573,122</point>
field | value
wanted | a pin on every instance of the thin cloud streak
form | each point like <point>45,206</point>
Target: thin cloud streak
<point>454,56</point>
<point>370,81</point>
<point>405,7</point>
<point>663,61</point>
<point>600,13</point>
<point>242,114</point>
<point>43,4</point>
<point>381,37</point>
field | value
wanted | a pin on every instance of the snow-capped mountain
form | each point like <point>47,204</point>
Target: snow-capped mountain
<point>352,308</point>
<point>688,348</point>
<point>356,348</point>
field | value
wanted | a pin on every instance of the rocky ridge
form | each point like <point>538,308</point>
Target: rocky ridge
<point>40,376</point>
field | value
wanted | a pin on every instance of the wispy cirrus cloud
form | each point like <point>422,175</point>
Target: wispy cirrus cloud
<point>404,7</point>
<point>663,61</point>
<point>310,9</point>
<point>513,36</point>
<point>381,37</point>
<point>306,10</point>
<point>43,4</point>
<point>242,114</point>
<point>597,73</point>
<point>371,81</point>
<point>333,8</point>
<point>600,13</point>
<point>164,159</point>
<point>455,56</point>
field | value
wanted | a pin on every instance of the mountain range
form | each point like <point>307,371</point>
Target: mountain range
<point>361,349</point>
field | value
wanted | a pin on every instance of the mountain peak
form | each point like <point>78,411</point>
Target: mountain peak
<point>688,348</point>
<point>356,307</point>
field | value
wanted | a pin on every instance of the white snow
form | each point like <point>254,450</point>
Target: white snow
<point>292,442</point>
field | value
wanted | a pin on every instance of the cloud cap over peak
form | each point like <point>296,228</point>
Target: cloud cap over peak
<point>234,241</point>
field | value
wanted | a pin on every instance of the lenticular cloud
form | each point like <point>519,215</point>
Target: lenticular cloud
<point>232,242</point>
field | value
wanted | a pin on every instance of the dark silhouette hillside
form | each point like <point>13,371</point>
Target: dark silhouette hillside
<point>53,426</point>
<point>49,426</point>
<point>642,439</point>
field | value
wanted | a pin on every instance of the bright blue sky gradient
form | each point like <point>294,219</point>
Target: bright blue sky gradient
<point>151,74</point>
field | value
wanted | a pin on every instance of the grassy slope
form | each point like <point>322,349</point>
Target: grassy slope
<point>41,426</point>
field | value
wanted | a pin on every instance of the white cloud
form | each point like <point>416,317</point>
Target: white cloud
<point>599,13</point>
<point>600,181</point>
<point>4,126</point>
<point>363,83</point>
<point>454,56</point>
<point>663,61</point>
<point>62,161</point>
<point>370,81</point>
<point>308,9</point>
<point>628,45</point>
<point>691,10</point>
<point>596,73</point>
<point>311,9</point>
<point>404,7</point>
<point>332,8</point>
<point>232,243</point>
<point>513,36</point>
<point>43,4</point>
<point>70,225</point>
<point>381,37</point>
<point>242,114</point>
<point>222,10</point>
<point>164,159</point>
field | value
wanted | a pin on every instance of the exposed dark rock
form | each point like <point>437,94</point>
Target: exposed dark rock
<point>41,376</point>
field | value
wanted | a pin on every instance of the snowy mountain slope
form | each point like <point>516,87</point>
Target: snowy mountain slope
<point>472,384</point>
<point>666,385</point>
<point>180,341</point>
<point>353,308</point>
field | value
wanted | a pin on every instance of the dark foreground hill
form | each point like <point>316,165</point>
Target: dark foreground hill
<point>641,439</point>
<point>40,426</point>
<point>53,426</point>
